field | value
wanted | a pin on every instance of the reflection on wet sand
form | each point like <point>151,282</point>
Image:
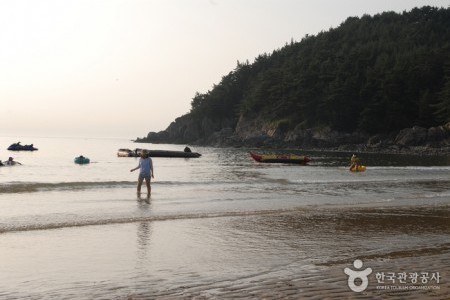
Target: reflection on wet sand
<point>143,239</point>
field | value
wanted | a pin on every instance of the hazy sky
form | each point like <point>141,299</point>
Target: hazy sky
<point>124,68</point>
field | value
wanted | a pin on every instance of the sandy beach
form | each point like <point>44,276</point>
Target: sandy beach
<point>271,255</point>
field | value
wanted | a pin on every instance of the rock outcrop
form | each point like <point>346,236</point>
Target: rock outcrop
<point>254,132</point>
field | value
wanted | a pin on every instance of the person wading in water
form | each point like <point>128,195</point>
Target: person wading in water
<point>146,171</point>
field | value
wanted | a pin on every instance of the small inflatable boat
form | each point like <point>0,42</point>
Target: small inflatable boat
<point>288,158</point>
<point>358,168</point>
<point>81,160</point>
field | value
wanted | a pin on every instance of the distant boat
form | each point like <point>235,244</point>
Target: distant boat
<point>281,158</point>
<point>18,147</point>
<point>81,160</point>
<point>126,153</point>
<point>156,153</point>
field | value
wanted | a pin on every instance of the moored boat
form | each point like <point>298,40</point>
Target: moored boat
<point>126,153</point>
<point>287,158</point>
<point>156,153</point>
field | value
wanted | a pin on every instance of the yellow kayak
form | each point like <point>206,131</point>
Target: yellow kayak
<point>358,168</point>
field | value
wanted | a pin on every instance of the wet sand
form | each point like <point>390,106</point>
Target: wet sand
<point>402,239</point>
<point>288,254</point>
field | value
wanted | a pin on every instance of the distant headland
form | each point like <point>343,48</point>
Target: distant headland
<point>376,83</point>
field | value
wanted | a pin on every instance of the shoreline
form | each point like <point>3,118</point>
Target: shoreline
<point>415,141</point>
<point>391,150</point>
<point>416,151</point>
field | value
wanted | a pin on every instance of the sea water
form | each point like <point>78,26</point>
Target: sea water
<point>80,231</point>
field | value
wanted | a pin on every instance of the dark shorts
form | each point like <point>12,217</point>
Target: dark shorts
<point>144,176</point>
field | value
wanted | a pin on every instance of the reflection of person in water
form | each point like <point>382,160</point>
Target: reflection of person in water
<point>144,232</point>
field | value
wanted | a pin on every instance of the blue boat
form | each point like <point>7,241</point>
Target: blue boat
<point>18,147</point>
<point>81,160</point>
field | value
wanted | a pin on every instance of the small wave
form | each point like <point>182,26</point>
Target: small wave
<point>389,181</point>
<point>420,252</point>
<point>77,223</point>
<point>332,211</point>
<point>31,187</point>
<point>424,168</point>
<point>437,195</point>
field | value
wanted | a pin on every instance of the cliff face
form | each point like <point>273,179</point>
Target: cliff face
<point>184,130</point>
<point>255,132</point>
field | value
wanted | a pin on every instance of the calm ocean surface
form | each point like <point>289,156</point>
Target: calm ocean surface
<point>72,231</point>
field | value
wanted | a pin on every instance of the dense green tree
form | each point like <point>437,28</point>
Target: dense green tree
<point>443,106</point>
<point>375,73</point>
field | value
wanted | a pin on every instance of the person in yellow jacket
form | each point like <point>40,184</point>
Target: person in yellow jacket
<point>354,162</point>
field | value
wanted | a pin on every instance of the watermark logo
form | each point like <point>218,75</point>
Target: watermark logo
<point>354,275</point>
<point>358,280</point>
<point>400,281</point>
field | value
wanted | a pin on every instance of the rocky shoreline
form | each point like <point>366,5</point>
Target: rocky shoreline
<point>416,140</point>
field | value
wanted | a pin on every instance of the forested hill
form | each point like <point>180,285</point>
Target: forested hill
<point>372,75</point>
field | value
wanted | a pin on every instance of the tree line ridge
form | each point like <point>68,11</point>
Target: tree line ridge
<point>372,75</point>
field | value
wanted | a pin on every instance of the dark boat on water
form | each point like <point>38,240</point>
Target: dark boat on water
<point>157,153</point>
<point>81,160</point>
<point>281,158</point>
<point>18,147</point>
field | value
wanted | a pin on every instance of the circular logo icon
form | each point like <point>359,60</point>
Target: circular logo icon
<point>353,275</point>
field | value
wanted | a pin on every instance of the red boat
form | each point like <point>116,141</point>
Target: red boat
<point>281,158</point>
